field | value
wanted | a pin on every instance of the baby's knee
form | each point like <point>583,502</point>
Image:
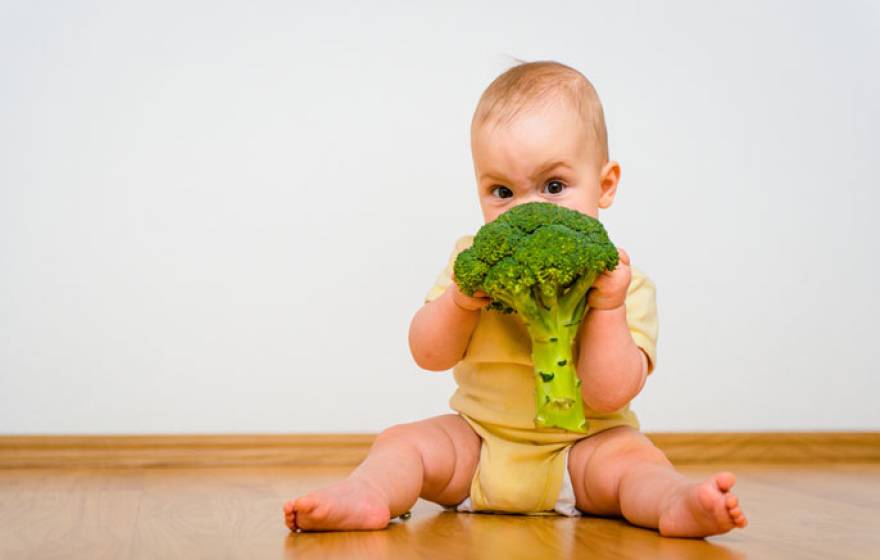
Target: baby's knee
<point>612,457</point>
<point>616,451</point>
<point>420,434</point>
<point>400,433</point>
<point>634,447</point>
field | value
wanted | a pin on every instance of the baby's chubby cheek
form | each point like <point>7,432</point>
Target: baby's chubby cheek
<point>583,207</point>
<point>490,212</point>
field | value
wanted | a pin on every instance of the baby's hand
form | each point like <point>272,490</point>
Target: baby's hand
<point>609,289</point>
<point>468,303</point>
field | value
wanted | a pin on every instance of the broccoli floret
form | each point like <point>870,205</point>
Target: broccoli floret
<point>539,260</point>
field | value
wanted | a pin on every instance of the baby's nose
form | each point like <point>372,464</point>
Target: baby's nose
<point>529,198</point>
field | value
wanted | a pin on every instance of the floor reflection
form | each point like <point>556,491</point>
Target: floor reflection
<point>438,534</point>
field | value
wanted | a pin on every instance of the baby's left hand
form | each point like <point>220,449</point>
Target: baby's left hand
<point>609,289</point>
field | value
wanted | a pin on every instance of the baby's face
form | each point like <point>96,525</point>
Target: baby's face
<point>542,155</point>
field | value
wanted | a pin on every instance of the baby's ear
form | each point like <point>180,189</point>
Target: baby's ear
<point>609,177</point>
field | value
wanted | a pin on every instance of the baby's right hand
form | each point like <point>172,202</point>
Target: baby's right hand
<point>468,303</point>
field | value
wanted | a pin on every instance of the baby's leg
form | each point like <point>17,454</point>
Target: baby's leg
<point>620,472</point>
<point>434,458</point>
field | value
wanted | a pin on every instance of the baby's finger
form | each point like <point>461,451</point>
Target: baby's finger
<point>601,279</point>
<point>481,295</point>
<point>624,256</point>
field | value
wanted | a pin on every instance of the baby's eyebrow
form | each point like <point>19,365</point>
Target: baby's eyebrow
<point>550,165</point>
<point>492,176</point>
<point>546,167</point>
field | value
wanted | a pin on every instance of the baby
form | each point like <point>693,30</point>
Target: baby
<point>538,134</point>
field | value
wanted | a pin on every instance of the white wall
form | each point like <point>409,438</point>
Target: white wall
<point>220,217</point>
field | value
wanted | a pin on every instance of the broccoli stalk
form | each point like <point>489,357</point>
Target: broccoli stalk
<point>558,398</point>
<point>539,260</point>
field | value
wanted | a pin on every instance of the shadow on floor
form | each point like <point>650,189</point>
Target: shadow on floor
<point>462,535</point>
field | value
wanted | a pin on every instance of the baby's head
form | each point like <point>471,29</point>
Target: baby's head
<point>538,134</point>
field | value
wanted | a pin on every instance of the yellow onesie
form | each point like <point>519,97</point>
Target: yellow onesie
<point>521,467</point>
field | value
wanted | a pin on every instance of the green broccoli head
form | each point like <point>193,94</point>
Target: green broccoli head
<point>539,260</point>
<point>537,251</point>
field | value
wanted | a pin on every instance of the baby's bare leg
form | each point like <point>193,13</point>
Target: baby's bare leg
<point>434,459</point>
<point>620,472</point>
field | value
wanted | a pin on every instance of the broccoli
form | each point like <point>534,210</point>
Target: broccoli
<point>538,260</point>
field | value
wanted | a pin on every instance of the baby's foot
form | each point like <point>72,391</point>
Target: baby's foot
<point>700,510</point>
<point>345,506</point>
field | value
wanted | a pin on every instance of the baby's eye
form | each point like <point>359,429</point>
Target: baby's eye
<point>554,187</point>
<point>501,191</point>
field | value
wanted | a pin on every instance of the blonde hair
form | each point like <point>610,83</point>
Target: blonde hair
<point>531,84</point>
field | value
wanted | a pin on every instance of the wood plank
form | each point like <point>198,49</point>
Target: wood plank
<point>350,449</point>
<point>795,511</point>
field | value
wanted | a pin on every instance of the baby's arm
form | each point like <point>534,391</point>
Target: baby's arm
<point>440,331</point>
<point>610,365</point>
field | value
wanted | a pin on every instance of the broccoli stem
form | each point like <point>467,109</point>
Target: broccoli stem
<point>558,389</point>
<point>553,325</point>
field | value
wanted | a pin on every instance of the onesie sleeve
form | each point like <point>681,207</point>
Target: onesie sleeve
<point>641,315</point>
<point>444,279</point>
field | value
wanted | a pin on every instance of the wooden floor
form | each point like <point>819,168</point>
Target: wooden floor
<point>813,511</point>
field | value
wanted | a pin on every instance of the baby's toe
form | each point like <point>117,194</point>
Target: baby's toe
<point>731,501</point>
<point>313,518</point>
<point>305,504</point>
<point>725,481</point>
<point>734,511</point>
